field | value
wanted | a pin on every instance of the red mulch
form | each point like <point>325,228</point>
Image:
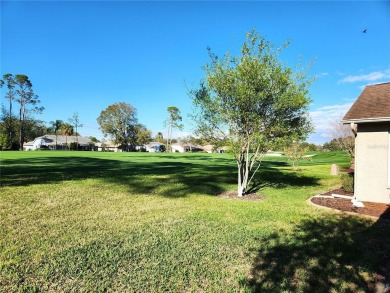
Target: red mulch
<point>379,210</point>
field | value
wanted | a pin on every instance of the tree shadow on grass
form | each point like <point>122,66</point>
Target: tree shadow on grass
<point>172,176</point>
<point>328,254</point>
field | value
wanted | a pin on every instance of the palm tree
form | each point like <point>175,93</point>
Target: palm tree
<point>67,129</point>
<point>55,126</point>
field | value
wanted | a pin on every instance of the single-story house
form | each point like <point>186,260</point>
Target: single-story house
<point>369,118</point>
<point>108,146</point>
<point>213,149</point>
<point>185,147</point>
<point>59,142</point>
<point>154,147</point>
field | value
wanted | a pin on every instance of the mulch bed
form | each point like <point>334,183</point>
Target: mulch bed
<point>370,208</point>
<point>233,195</point>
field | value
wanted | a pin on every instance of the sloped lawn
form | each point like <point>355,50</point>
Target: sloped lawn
<point>87,221</point>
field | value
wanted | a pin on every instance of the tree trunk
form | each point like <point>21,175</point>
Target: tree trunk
<point>239,181</point>
<point>21,129</point>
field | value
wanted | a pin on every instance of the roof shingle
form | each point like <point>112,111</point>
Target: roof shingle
<point>373,104</point>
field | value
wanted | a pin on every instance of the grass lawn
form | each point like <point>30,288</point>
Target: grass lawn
<point>88,221</point>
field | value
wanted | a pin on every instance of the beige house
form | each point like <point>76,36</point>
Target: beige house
<point>108,146</point>
<point>369,118</point>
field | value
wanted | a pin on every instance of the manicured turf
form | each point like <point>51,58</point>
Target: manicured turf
<point>88,221</point>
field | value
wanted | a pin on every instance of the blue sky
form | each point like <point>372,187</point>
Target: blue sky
<point>82,56</point>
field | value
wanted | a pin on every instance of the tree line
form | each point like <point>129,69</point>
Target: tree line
<point>15,127</point>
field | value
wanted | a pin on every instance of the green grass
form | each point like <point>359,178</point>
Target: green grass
<point>88,221</point>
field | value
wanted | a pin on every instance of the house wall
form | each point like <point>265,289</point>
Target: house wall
<point>372,162</point>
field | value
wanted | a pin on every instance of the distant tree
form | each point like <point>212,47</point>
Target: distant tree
<point>159,137</point>
<point>10,96</point>
<point>75,121</point>
<point>295,151</point>
<point>311,146</point>
<point>344,137</point>
<point>144,136</point>
<point>55,127</point>
<point>119,121</point>
<point>8,131</point>
<point>253,102</point>
<point>27,100</point>
<point>94,139</point>
<point>173,121</point>
<point>34,128</point>
<point>66,129</point>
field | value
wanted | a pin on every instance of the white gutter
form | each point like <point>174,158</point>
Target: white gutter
<point>366,120</point>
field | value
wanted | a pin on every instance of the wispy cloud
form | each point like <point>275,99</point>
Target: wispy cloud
<point>323,117</point>
<point>322,74</point>
<point>370,77</point>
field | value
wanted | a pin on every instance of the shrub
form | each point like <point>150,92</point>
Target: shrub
<point>347,181</point>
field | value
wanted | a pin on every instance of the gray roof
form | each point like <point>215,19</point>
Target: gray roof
<point>50,139</point>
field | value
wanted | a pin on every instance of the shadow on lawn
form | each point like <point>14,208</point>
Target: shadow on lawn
<point>166,175</point>
<point>328,254</point>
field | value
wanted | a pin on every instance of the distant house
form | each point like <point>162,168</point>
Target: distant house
<point>369,118</point>
<point>185,147</point>
<point>154,147</point>
<point>59,142</point>
<point>213,149</point>
<point>108,146</point>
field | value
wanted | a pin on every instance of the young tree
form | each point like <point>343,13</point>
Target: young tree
<point>252,101</point>
<point>173,121</point>
<point>55,127</point>
<point>295,152</point>
<point>75,121</point>
<point>119,121</point>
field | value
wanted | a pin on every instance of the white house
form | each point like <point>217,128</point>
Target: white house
<point>57,142</point>
<point>154,147</point>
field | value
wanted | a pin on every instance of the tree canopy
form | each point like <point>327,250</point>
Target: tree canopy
<point>119,122</point>
<point>252,103</point>
<point>19,90</point>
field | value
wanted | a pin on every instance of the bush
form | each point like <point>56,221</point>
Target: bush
<point>347,181</point>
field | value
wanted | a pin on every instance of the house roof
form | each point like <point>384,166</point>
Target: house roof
<point>373,105</point>
<point>50,139</point>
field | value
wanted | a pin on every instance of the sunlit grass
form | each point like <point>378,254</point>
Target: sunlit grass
<point>83,221</point>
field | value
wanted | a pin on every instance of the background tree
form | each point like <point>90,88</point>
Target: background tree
<point>8,131</point>
<point>10,96</point>
<point>173,121</point>
<point>144,136</point>
<point>55,127</point>
<point>344,138</point>
<point>75,121</point>
<point>66,129</point>
<point>26,99</point>
<point>252,101</point>
<point>34,128</point>
<point>159,137</point>
<point>93,139</point>
<point>119,121</point>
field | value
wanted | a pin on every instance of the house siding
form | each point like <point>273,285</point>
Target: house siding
<point>372,162</point>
